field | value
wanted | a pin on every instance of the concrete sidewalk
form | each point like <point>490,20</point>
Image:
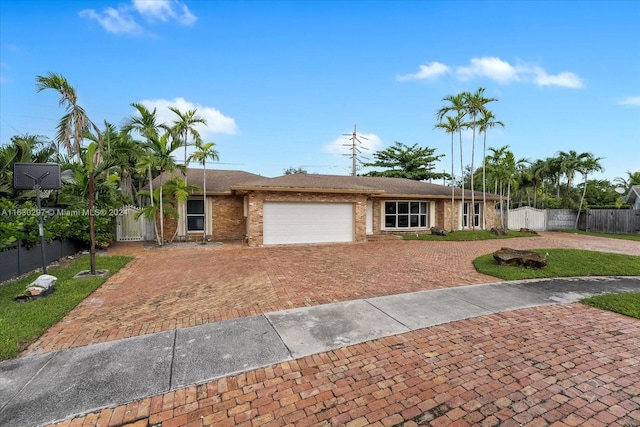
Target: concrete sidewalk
<point>43,388</point>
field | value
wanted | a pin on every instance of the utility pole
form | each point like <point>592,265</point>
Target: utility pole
<point>355,140</point>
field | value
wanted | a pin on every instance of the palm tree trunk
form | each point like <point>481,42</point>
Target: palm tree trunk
<point>473,199</point>
<point>584,193</point>
<point>453,186</point>
<point>484,183</point>
<point>161,218</point>
<point>462,176</point>
<point>204,197</point>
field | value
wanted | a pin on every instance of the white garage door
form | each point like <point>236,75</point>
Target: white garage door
<point>307,223</point>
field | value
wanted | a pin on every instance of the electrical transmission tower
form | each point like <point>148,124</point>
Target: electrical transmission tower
<point>355,149</point>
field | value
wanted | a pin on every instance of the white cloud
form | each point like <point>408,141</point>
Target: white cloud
<point>631,100</point>
<point>123,20</point>
<point>165,10</point>
<point>428,71</point>
<point>217,123</point>
<point>491,67</point>
<point>499,70</point>
<point>564,79</point>
<point>342,145</point>
<point>114,21</point>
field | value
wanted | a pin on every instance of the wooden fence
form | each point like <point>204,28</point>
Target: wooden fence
<point>616,221</point>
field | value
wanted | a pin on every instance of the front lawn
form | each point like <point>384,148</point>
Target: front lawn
<point>564,263</point>
<point>627,304</point>
<point>576,262</point>
<point>467,236</point>
<point>22,323</point>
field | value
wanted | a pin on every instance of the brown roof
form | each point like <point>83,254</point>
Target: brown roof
<point>228,181</point>
<point>218,181</point>
<point>375,186</point>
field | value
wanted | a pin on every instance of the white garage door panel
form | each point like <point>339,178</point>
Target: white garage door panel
<point>307,223</point>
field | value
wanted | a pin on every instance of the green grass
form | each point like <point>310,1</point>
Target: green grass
<point>564,263</point>
<point>576,262</point>
<point>22,323</point>
<point>627,304</point>
<point>635,237</point>
<point>467,236</point>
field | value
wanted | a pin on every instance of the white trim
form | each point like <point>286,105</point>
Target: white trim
<point>369,216</point>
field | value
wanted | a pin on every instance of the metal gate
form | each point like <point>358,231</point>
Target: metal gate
<point>527,217</point>
<point>129,228</point>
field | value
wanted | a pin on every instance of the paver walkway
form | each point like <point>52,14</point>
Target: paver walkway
<point>556,365</point>
<point>164,289</point>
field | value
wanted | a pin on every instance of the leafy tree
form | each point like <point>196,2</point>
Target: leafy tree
<point>204,152</point>
<point>402,161</point>
<point>291,170</point>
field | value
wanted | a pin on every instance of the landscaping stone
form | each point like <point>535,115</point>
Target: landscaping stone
<point>528,259</point>
<point>499,231</point>
<point>439,231</point>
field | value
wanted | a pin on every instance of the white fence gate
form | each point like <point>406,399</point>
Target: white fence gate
<point>527,217</point>
<point>129,228</point>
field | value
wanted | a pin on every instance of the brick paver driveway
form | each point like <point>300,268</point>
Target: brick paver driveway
<point>555,365</point>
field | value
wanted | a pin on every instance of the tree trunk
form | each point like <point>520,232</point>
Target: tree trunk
<point>92,224</point>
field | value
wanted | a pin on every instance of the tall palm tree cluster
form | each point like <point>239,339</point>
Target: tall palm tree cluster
<point>105,167</point>
<point>468,111</point>
<point>541,183</point>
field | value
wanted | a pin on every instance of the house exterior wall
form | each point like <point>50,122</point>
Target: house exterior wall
<point>256,200</point>
<point>230,223</point>
<point>227,220</point>
<point>228,217</point>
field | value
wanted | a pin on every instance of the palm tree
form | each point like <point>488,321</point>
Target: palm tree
<point>475,106</point>
<point>570,162</point>
<point>500,165</point>
<point>146,125</point>
<point>538,171</point>
<point>452,125</point>
<point>456,105</point>
<point>75,124</point>
<point>486,121</point>
<point>183,127</point>
<point>204,152</point>
<point>159,157</point>
<point>588,165</point>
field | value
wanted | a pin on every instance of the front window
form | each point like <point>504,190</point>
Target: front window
<point>405,215</point>
<point>476,214</point>
<point>195,215</point>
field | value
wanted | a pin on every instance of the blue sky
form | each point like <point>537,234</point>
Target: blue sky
<point>280,83</point>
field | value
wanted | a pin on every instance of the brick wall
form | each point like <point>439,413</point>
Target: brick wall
<point>229,222</point>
